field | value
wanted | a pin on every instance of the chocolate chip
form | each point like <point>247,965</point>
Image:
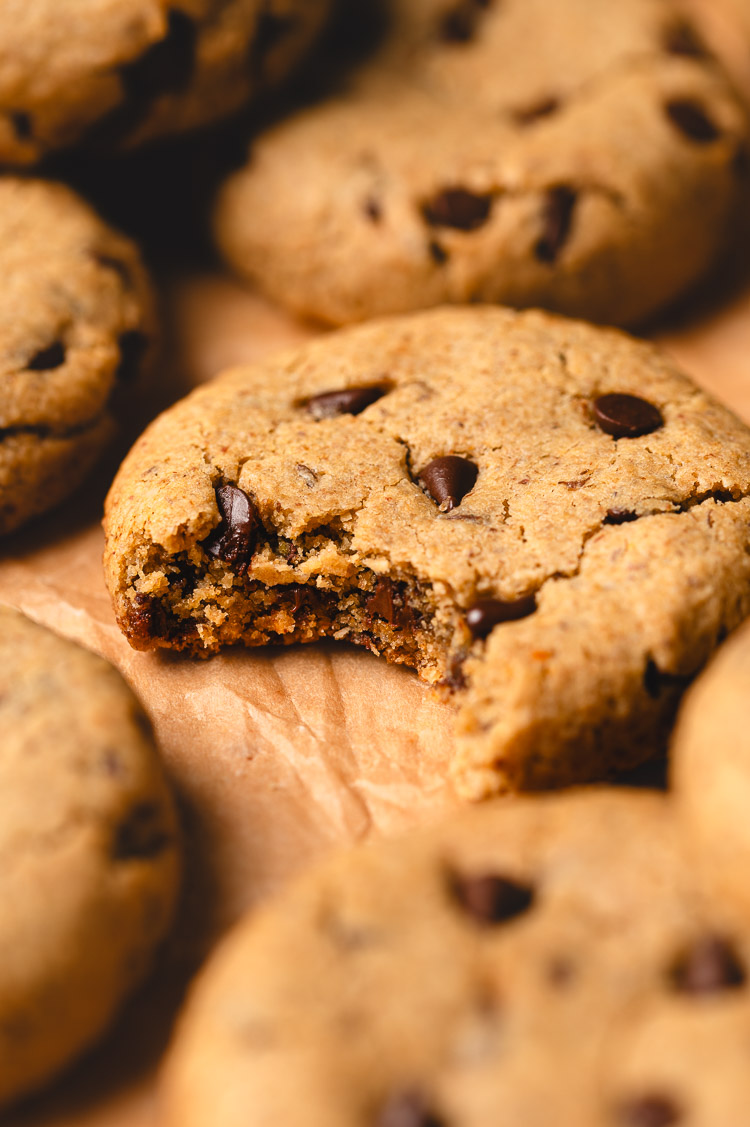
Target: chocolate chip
<point>491,899</point>
<point>648,1111</point>
<point>21,123</point>
<point>373,210</point>
<point>133,346</point>
<point>166,66</point>
<point>447,480</point>
<point>619,516</point>
<point>692,120</point>
<point>709,966</point>
<point>527,115</point>
<point>48,358</point>
<point>486,614</point>
<point>438,254</point>
<point>347,401</point>
<point>407,1109</point>
<point>458,208</point>
<point>147,620</point>
<point>381,601</point>
<point>681,38</point>
<point>557,217</point>
<point>626,416</point>
<point>142,835</point>
<point>233,542</point>
<point>459,23</point>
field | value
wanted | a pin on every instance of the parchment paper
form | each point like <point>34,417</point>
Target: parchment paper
<point>277,755</point>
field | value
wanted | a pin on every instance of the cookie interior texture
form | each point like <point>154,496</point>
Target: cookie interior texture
<point>89,857</point>
<point>76,324</point>
<point>124,72</point>
<point>455,491</point>
<point>580,156</point>
<point>553,952</point>
<point>711,769</point>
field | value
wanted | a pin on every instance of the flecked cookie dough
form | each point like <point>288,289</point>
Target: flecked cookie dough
<point>711,767</point>
<point>124,71</point>
<point>581,156</point>
<point>476,974</point>
<point>76,324</point>
<point>545,517</point>
<point>88,850</point>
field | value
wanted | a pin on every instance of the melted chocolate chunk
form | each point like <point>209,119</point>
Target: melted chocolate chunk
<point>147,619</point>
<point>388,603</point>
<point>557,219</point>
<point>233,542</point>
<point>142,835</point>
<point>133,346</point>
<point>447,480</point>
<point>709,966</point>
<point>648,1111</point>
<point>348,401</point>
<point>626,416</point>
<point>48,358</point>
<point>458,208</point>
<point>407,1109</point>
<point>681,38</point>
<point>692,120</point>
<point>486,614</point>
<point>491,899</point>
<point>438,254</point>
<point>21,122</point>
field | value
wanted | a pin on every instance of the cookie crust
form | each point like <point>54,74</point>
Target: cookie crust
<point>610,565</point>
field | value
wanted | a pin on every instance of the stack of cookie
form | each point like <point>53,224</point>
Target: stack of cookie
<point>544,517</point>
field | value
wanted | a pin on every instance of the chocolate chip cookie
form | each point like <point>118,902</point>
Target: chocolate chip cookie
<point>476,974</point>
<point>121,73</point>
<point>579,156</point>
<point>711,765</point>
<point>76,324</point>
<point>88,850</point>
<point>545,517</point>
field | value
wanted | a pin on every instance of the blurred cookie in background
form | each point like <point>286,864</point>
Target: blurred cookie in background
<point>89,850</point>
<point>578,156</point>
<point>118,72</point>
<point>77,324</point>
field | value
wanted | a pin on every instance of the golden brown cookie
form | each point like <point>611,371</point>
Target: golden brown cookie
<point>579,156</point>
<point>480,972</point>
<point>711,768</point>
<point>89,857</point>
<point>76,324</point>
<point>123,71</point>
<point>547,518</point>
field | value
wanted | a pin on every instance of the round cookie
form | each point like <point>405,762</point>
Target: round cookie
<point>124,71</point>
<point>547,518</point>
<point>578,156</point>
<point>711,769</point>
<point>76,322</point>
<point>473,974</point>
<point>89,858</point>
